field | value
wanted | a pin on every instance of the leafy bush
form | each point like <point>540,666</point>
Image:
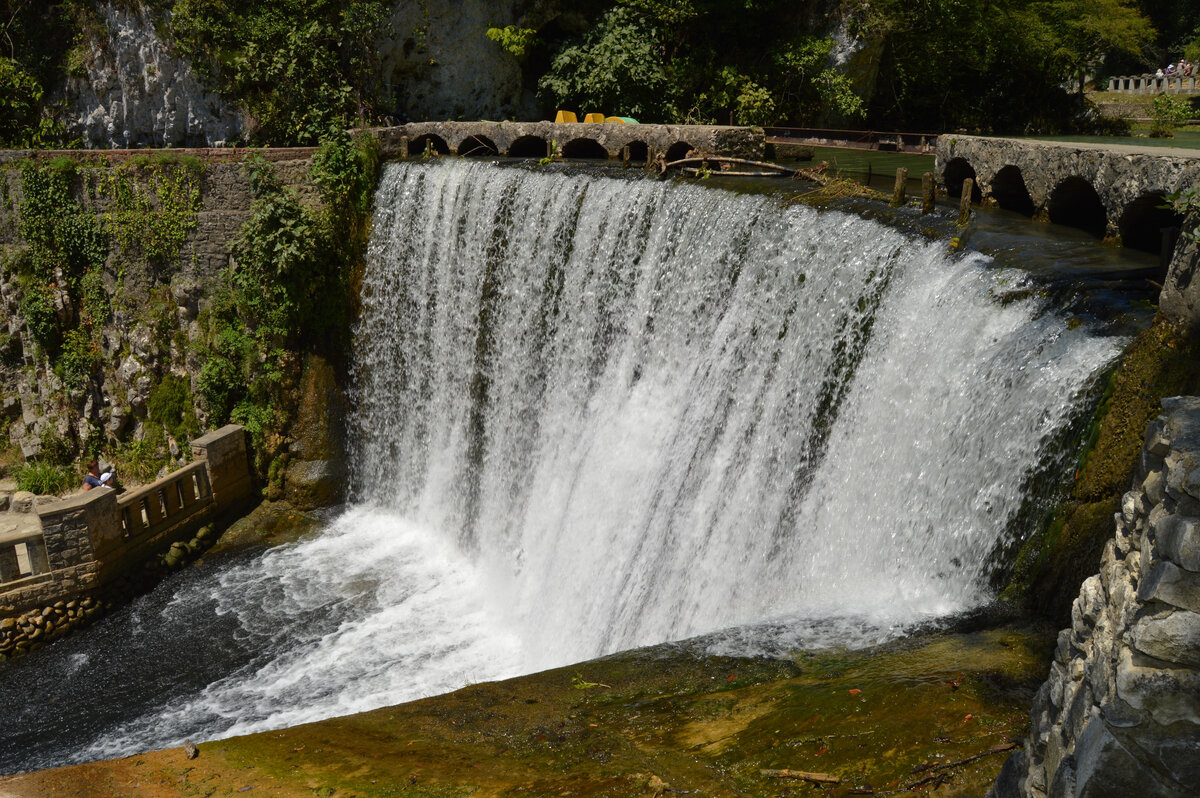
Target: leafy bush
<point>77,359</point>
<point>618,68</point>
<point>141,461</point>
<point>44,478</point>
<point>1168,111</point>
<point>170,404</point>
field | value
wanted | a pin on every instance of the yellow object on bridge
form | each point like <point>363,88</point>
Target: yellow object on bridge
<point>565,117</point>
<point>622,120</point>
<point>594,119</point>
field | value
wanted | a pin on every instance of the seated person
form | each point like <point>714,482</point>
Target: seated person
<point>94,479</point>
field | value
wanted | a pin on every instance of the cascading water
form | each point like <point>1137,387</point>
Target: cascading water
<point>651,411</point>
<point>596,413</point>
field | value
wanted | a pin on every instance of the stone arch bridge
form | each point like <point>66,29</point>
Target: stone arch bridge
<point>1110,191</point>
<point>604,141</point>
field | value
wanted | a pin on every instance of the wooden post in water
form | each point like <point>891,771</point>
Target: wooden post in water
<point>901,185</point>
<point>927,193</point>
<point>964,203</point>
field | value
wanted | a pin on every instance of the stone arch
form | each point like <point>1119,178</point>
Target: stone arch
<point>1075,203</point>
<point>1143,221</point>
<point>584,148</point>
<point>430,141</point>
<point>1010,192</point>
<point>477,147</point>
<point>637,152</point>
<point>529,147</point>
<point>678,151</point>
<point>956,172</point>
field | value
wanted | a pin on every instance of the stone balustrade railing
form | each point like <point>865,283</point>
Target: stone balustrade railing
<point>1152,84</point>
<point>88,539</point>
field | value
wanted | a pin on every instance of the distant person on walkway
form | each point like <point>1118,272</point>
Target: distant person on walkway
<point>94,479</point>
<point>1159,73</point>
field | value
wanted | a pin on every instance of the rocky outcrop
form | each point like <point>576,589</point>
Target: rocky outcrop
<point>1180,296</point>
<point>1120,713</point>
<point>135,93</point>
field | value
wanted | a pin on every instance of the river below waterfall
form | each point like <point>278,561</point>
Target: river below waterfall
<point>594,413</point>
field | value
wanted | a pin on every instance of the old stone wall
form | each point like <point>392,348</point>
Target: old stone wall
<point>156,309</point>
<point>1120,712</point>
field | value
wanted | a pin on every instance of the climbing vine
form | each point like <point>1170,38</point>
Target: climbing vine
<point>286,291</point>
<point>154,202</point>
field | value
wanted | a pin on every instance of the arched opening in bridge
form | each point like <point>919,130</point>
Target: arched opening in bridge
<point>1144,222</point>
<point>529,147</point>
<point>1076,204</point>
<point>637,152</point>
<point>477,147</point>
<point>585,148</point>
<point>956,172</point>
<point>678,151</point>
<point>1010,193</point>
<point>428,143</point>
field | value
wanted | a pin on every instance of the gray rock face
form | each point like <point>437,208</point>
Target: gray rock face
<point>1180,297</point>
<point>1120,713</point>
<point>136,93</point>
<point>438,64</point>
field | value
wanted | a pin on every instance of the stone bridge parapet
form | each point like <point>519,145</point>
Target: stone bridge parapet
<point>1110,191</point>
<point>604,141</point>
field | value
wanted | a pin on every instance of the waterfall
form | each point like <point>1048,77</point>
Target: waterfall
<point>593,413</point>
<point>651,411</point>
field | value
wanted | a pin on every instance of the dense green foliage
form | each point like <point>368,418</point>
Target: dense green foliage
<point>287,291</point>
<point>297,66</point>
<point>700,62</point>
<point>35,39</point>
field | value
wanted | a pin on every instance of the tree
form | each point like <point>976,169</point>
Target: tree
<point>617,67</point>
<point>1086,31</point>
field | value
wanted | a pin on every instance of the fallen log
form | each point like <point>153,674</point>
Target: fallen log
<point>815,778</point>
<point>716,159</point>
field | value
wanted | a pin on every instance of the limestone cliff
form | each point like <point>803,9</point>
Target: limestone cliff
<point>135,93</point>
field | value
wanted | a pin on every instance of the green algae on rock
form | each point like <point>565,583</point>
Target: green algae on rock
<point>932,712</point>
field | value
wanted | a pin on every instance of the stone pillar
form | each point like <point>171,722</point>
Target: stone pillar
<point>228,467</point>
<point>81,528</point>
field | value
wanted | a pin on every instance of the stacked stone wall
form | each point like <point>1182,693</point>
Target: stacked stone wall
<point>1120,712</point>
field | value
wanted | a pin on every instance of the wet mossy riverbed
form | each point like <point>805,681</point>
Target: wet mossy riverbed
<point>930,715</point>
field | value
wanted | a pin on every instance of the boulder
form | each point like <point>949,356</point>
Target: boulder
<point>1171,637</point>
<point>22,502</point>
<point>1172,585</point>
<point>1177,538</point>
<point>1105,766</point>
<point>315,483</point>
